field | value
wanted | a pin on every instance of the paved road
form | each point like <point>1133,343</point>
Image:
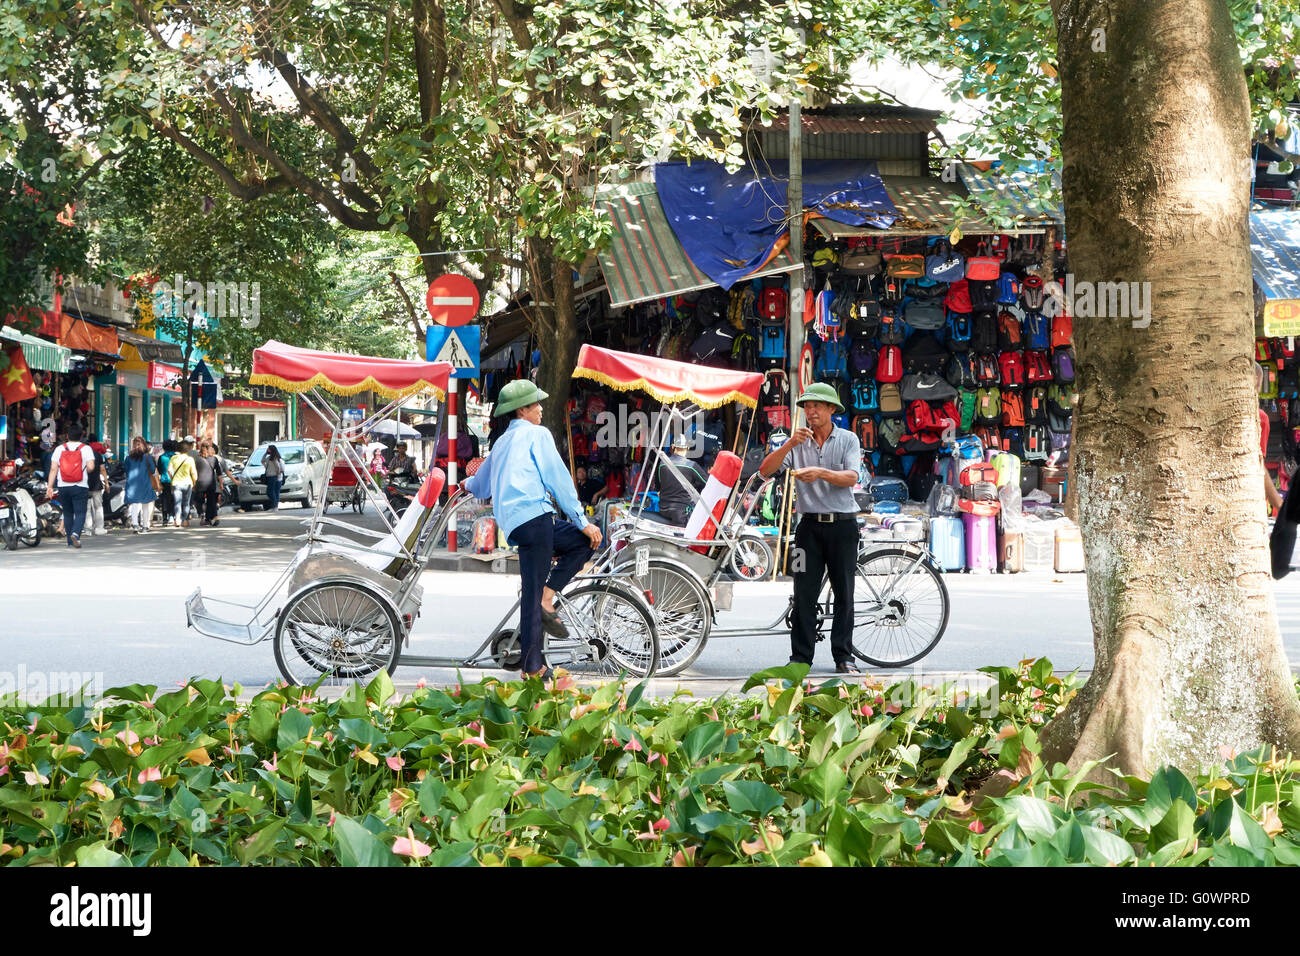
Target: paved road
<point>114,611</point>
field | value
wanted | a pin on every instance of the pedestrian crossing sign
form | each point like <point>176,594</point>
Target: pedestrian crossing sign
<point>457,345</point>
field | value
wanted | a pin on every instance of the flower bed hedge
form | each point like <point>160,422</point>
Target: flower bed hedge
<point>524,775</point>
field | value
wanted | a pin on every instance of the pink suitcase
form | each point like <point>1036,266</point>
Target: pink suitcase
<point>981,542</point>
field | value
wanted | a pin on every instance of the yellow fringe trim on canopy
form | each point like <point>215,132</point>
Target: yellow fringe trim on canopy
<point>667,397</point>
<point>324,381</point>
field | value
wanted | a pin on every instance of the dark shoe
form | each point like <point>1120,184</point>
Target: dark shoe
<point>552,624</point>
<point>847,667</point>
<point>215,522</point>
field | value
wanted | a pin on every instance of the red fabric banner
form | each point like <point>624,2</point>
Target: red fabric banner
<point>667,380</point>
<point>293,369</point>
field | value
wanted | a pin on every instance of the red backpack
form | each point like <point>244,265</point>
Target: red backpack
<point>71,469</point>
<point>1013,410</point>
<point>1037,368</point>
<point>864,426</point>
<point>1062,331</point>
<point>1013,369</point>
<point>773,304</point>
<point>889,365</point>
<point>958,297</point>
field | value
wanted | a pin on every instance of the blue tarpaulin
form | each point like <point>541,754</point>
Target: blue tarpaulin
<point>729,223</point>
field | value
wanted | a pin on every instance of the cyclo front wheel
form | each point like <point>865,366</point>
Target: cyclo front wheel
<point>682,614</point>
<point>900,607</point>
<point>343,630</point>
<point>611,632</point>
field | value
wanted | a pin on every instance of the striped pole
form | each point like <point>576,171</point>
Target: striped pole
<point>451,457</point>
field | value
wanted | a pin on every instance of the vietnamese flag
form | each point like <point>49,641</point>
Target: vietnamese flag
<point>16,383</point>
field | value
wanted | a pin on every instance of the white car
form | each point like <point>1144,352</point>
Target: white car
<point>304,474</point>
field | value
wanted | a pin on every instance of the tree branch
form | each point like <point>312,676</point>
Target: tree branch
<point>410,308</point>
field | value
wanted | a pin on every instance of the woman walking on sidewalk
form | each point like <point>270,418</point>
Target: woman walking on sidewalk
<point>273,468</point>
<point>183,475</point>
<point>142,485</point>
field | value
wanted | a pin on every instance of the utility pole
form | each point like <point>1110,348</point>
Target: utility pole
<point>795,337</point>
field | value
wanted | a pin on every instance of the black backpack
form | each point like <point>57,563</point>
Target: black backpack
<point>893,330</point>
<point>961,370</point>
<point>987,371</point>
<point>889,466</point>
<point>924,353</point>
<point>1036,405</point>
<point>983,294</point>
<point>984,332</point>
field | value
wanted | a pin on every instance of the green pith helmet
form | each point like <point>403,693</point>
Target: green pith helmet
<point>518,394</point>
<point>816,392</point>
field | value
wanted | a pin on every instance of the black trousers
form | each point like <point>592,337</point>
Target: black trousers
<point>822,547</point>
<point>206,500</point>
<point>540,541</point>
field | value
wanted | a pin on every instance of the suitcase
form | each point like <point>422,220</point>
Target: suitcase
<point>1052,481</point>
<point>981,542</point>
<point>1008,468</point>
<point>1069,549</point>
<point>1039,548</point>
<point>1029,478</point>
<point>948,542</point>
<point>904,527</point>
<point>886,507</point>
<point>1011,552</point>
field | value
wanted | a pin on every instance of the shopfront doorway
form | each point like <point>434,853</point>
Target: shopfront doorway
<point>240,432</point>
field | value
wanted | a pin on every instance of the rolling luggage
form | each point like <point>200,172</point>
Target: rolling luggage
<point>1029,478</point>
<point>1069,549</point>
<point>1011,552</point>
<point>981,542</point>
<point>948,542</point>
<point>904,527</point>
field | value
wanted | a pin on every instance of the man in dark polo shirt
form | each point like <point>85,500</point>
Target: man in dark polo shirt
<point>825,459</point>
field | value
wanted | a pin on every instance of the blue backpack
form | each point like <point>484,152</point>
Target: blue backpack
<point>959,324</point>
<point>1008,289</point>
<point>862,357</point>
<point>1038,332</point>
<point>772,342</point>
<point>866,396</point>
<point>833,360</point>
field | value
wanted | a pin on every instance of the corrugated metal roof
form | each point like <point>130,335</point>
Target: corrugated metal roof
<point>1275,252</point>
<point>867,118</point>
<point>1018,188</point>
<point>926,207</point>
<point>644,260</point>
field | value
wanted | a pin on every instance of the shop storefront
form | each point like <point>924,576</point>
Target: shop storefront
<point>47,363</point>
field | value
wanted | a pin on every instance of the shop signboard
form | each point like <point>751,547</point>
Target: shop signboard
<point>1282,318</point>
<point>165,377</point>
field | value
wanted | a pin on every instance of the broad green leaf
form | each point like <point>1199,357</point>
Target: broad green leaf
<point>1105,848</point>
<point>703,741</point>
<point>357,846</point>
<point>294,726</point>
<point>794,673</point>
<point>98,854</point>
<point>751,796</point>
<point>1036,817</point>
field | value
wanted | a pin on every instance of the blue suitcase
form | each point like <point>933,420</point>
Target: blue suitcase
<point>948,542</point>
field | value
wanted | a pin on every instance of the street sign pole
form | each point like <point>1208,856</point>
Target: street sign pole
<point>452,389</point>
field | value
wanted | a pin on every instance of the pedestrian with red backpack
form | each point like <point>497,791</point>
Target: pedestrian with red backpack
<point>71,464</point>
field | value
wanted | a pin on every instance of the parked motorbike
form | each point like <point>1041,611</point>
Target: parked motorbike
<point>19,522</point>
<point>400,490</point>
<point>115,508</point>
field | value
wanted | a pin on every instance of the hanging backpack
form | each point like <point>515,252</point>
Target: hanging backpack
<point>1012,368</point>
<point>773,305</point>
<point>984,332</point>
<point>1013,410</point>
<point>893,330</point>
<point>1038,331</point>
<point>889,433</point>
<point>865,396</point>
<point>891,400</point>
<point>863,320</point>
<point>1062,331</point>
<point>1268,390</point>
<point>744,352</point>
<point>771,343</point>
<point>966,400</point>
<point>1010,337</point>
<point>958,297</point>
<point>982,266</point>
<point>924,353</point>
<point>961,370</point>
<point>889,364</point>
<point>989,435</point>
<point>865,262</point>
<point>1036,443</point>
<point>1060,399</point>
<point>862,357</point>
<point>892,292</point>
<point>864,426</point>
<point>959,331</point>
<point>988,406</point>
<point>987,371</point>
<point>1063,366</point>
<point>926,387</point>
<point>1008,289</point>
<point>924,314</point>
<point>888,465</point>
<point>1036,406</point>
<point>1038,369</point>
<point>833,360</point>
<point>1288,383</point>
<point>1057,422</point>
<point>983,295</point>
<point>1031,294</point>
<point>1013,441</point>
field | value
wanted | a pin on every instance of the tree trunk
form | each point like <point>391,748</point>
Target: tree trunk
<point>1188,654</point>
<point>555,324</point>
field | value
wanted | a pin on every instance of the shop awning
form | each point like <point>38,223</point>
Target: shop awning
<point>667,380</point>
<point>77,333</point>
<point>1275,262</point>
<point>1015,193</point>
<point>644,260</point>
<point>150,348</point>
<point>39,353</point>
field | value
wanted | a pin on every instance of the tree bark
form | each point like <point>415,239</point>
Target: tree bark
<point>1188,653</point>
<point>554,322</point>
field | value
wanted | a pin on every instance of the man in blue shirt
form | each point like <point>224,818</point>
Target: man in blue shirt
<point>527,482</point>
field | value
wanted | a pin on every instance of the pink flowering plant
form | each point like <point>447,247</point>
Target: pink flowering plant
<point>788,772</point>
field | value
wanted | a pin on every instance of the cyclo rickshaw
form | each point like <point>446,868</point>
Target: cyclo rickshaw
<point>900,602</point>
<point>345,605</point>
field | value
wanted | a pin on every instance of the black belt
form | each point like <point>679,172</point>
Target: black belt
<point>827,517</point>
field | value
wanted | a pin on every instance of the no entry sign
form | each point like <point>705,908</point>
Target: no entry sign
<point>452,299</point>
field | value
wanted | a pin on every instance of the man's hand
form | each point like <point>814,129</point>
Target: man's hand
<point>49,491</point>
<point>800,435</point>
<point>810,474</point>
<point>593,534</point>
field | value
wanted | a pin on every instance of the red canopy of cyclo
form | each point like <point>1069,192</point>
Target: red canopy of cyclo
<point>293,369</point>
<point>667,380</point>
